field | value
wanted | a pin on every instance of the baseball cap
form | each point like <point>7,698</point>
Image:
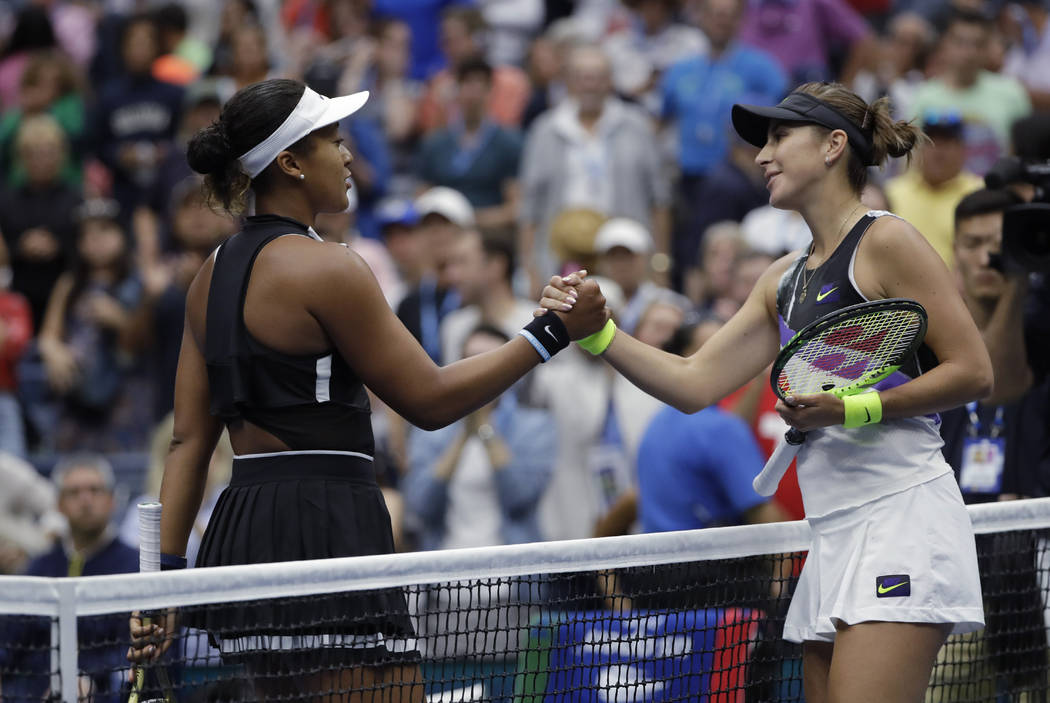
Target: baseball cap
<point>623,232</point>
<point>396,211</point>
<point>447,202</point>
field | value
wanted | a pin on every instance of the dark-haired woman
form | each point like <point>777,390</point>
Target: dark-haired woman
<point>283,332</point>
<point>892,569</point>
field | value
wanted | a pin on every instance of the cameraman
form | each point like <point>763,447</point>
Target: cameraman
<point>999,446</point>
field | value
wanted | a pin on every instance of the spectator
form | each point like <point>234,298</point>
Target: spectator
<point>999,446</point>
<point>153,330</point>
<point>989,102</point>
<point>398,224</point>
<point>1028,55</point>
<point>183,58</point>
<point>233,15</point>
<point>647,46</point>
<point>136,117</point>
<point>591,151</point>
<point>544,67</point>
<point>89,404</point>
<point>624,250</point>
<point>478,481</point>
<point>249,60</point>
<point>474,155</point>
<point>424,19</point>
<point>16,329</point>
<point>85,487</point>
<point>712,280</point>
<point>444,215</point>
<point>29,517</point>
<point>49,86</point>
<point>33,31</point>
<point>698,94</point>
<point>695,471</point>
<point>899,65</point>
<point>461,29</point>
<point>37,217</point>
<point>658,323</point>
<point>380,65</point>
<point>480,269</point>
<point>511,26</point>
<point>926,194</point>
<point>804,35</point>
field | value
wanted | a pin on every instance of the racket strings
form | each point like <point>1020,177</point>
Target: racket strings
<point>851,351</point>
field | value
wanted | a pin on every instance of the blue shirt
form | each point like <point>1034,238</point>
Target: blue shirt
<point>699,93</point>
<point>423,17</point>
<point>696,470</point>
<point>480,169</point>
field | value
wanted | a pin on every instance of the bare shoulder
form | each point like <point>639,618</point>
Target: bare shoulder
<point>893,255</point>
<point>894,232</point>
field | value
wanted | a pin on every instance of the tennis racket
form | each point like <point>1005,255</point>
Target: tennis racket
<point>844,352</point>
<point>149,561</point>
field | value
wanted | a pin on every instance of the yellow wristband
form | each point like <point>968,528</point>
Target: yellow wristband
<point>600,340</point>
<point>862,409</point>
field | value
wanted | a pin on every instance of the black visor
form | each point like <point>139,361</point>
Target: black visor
<point>752,121</point>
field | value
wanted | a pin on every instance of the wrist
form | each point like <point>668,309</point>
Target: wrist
<point>171,562</point>
<point>862,409</point>
<point>600,340</point>
<point>546,334</point>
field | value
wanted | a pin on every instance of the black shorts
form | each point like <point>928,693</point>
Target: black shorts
<point>291,506</point>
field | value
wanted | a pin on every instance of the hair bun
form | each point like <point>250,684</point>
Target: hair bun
<point>209,150</point>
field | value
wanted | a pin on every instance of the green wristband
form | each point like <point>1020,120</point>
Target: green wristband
<point>600,340</point>
<point>862,409</point>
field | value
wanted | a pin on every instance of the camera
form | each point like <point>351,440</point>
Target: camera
<point>1026,227</point>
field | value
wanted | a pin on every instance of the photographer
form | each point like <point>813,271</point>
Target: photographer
<point>999,447</point>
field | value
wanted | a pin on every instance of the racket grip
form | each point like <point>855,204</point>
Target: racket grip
<point>765,484</point>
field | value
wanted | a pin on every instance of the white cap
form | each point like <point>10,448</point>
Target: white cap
<point>623,232</point>
<point>447,202</point>
<point>313,112</point>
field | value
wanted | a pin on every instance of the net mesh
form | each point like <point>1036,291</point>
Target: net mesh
<point>851,352</point>
<point>673,617</point>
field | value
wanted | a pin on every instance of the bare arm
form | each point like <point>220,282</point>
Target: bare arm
<point>505,213</point>
<point>736,354</point>
<point>196,432</point>
<point>390,361</point>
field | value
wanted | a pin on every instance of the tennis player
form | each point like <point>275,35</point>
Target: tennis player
<point>892,569</point>
<point>283,332</point>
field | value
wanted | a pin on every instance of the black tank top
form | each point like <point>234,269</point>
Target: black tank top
<point>310,401</point>
<point>831,287</point>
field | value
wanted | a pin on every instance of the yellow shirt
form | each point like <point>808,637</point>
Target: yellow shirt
<point>931,210</point>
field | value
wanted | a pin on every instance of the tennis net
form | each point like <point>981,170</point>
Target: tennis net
<point>683,616</point>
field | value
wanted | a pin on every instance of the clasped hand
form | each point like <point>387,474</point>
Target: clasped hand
<point>813,411</point>
<point>578,301</point>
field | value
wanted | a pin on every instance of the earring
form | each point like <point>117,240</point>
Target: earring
<point>827,160</point>
<point>302,176</point>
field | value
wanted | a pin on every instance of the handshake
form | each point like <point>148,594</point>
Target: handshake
<point>578,302</point>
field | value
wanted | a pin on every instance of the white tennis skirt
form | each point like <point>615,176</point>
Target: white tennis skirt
<point>905,557</point>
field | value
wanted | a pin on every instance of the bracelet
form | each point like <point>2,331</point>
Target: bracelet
<point>862,409</point>
<point>600,340</point>
<point>171,562</point>
<point>547,335</point>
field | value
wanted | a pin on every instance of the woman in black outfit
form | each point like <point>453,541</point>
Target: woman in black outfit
<point>283,332</point>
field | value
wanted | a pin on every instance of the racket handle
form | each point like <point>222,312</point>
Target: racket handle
<point>765,484</point>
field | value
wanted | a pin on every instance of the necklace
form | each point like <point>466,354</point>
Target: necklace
<point>806,280</point>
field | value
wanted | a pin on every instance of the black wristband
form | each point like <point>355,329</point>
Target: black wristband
<point>171,562</point>
<point>547,335</point>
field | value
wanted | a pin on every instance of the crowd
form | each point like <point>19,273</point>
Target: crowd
<point>503,141</point>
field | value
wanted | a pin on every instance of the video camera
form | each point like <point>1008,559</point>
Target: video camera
<point>1026,228</point>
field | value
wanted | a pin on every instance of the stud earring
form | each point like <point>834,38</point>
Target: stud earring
<point>302,176</point>
<point>827,160</point>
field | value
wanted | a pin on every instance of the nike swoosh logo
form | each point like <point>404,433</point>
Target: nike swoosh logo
<point>887,589</point>
<point>547,329</point>
<point>821,296</point>
<point>867,415</point>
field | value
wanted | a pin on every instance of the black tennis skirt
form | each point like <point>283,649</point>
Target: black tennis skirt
<point>289,506</point>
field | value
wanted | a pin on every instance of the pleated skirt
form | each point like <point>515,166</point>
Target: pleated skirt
<point>290,506</point>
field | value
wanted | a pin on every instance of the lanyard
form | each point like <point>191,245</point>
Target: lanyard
<point>975,421</point>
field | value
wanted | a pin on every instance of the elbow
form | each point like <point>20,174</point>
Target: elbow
<point>983,382</point>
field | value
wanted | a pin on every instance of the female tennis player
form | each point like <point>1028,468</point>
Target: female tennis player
<point>283,332</point>
<point>892,570</point>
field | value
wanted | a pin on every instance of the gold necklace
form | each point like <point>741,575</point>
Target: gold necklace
<point>813,272</point>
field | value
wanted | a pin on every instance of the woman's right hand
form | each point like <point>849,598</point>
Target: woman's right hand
<point>150,641</point>
<point>578,302</point>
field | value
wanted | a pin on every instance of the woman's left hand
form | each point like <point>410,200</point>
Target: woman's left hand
<point>811,412</point>
<point>560,294</point>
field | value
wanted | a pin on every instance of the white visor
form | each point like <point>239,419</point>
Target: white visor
<point>313,112</point>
